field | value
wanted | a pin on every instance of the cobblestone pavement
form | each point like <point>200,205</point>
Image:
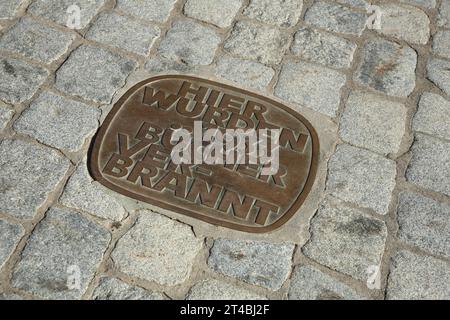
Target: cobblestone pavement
<point>377,224</point>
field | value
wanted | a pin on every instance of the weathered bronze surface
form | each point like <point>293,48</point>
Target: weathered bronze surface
<point>131,154</point>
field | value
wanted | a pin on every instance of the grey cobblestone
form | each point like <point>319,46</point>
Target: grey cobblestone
<point>433,116</point>
<point>441,43</point>
<point>114,289</point>
<point>444,15</point>
<point>84,194</point>
<point>429,164</point>
<point>64,243</point>
<point>219,290</point>
<point>68,123</point>
<point>81,75</point>
<point>248,73</point>
<point>250,40</point>
<point>124,33</point>
<point>309,283</point>
<point>418,277</point>
<point>361,177</point>
<point>439,73</point>
<point>57,10</point>
<point>190,42</point>
<point>6,114</point>
<point>256,262</point>
<point>284,13</point>
<point>9,296</point>
<point>28,174</point>
<point>155,10</point>
<point>372,122</point>
<point>336,18</point>
<point>423,3</point>
<point>19,81</point>
<point>346,240</point>
<point>304,84</point>
<point>217,12</point>
<point>160,64</point>
<point>157,249</point>
<point>36,41</point>
<point>9,8</point>
<point>424,223</point>
<point>10,234</point>
<point>360,4</point>
<point>388,67</point>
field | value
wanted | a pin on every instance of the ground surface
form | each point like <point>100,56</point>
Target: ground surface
<point>380,100</point>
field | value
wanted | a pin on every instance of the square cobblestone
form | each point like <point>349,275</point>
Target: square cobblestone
<point>444,15</point>
<point>441,43</point>
<point>160,64</point>
<point>424,223</point>
<point>346,240</point>
<point>423,3</point>
<point>439,73</point>
<point>155,10</point>
<point>220,290</point>
<point>372,122</point>
<point>244,72</point>
<point>157,249</point>
<point>323,48</point>
<point>28,173</point>
<point>67,123</point>
<point>251,40</point>
<point>58,10</point>
<point>190,42</point>
<point>9,8</point>
<point>429,164</point>
<point>36,41</point>
<point>433,116</point>
<point>388,67</point>
<point>62,245</point>
<point>83,76</point>
<point>260,263</point>
<point>304,84</point>
<point>10,235</point>
<point>114,289</point>
<point>6,114</point>
<point>361,177</point>
<point>218,12</point>
<point>284,13</point>
<point>19,81</point>
<point>414,277</point>
<point>308,283</point>
<point>360,4</point>
<point>121,32</point>
<point>335,17</point>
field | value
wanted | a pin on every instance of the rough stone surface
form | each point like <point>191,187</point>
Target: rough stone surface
<point>62,245</point>
<point>360,4</point>
<point>323,48</point>
<point>346,240</point>
<point>57,10</point>
<point>251,40</point>
<point>433,116</point>
<point>439,72</point>
<point>9,8</point>
<point>414,277</point>
<point>10,235</point>
<point>219,290</point>
<point>114,289</point>
<point>190,42</point>
<point>405,22</point>
<point>304,84</point>
<point>429,164</point>
<point>58,122</point>
<point>155,10</point>
<point>36,41</point>
<point>84,194</point>
<point>444,15</point>
<point>308,283</point>
<point>124,33</point>
<point>260,263</point>
<point>82,75</point>
<point>361,177</point>
<point>248,73</point>
<point>28,173</point>
<point>388,67</point>
<point>284,13</point>
<point>335,17</point>
<point>6,113</point>
<point>217,12</point>
<point>441,43</point>
<point>423,3</point>
<point>372,122</point>
<point>424,223</point>
<point>9,297</point>
<point>19,81</point>
<point>160,64</point>
<point>157,249</point>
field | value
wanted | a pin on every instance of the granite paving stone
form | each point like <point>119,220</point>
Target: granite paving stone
<point>220,290</point>
<point>10,235</point>
<point>284,13</point>
<point>433,116</point>
<point>114,289</point>
<point>154,10</point>
<point>217,12</point>
<point>439,73</point>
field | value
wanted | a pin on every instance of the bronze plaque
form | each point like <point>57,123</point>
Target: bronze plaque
<point>131,153</point>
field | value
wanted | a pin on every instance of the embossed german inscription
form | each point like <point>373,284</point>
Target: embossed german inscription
<point>133,153</point>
